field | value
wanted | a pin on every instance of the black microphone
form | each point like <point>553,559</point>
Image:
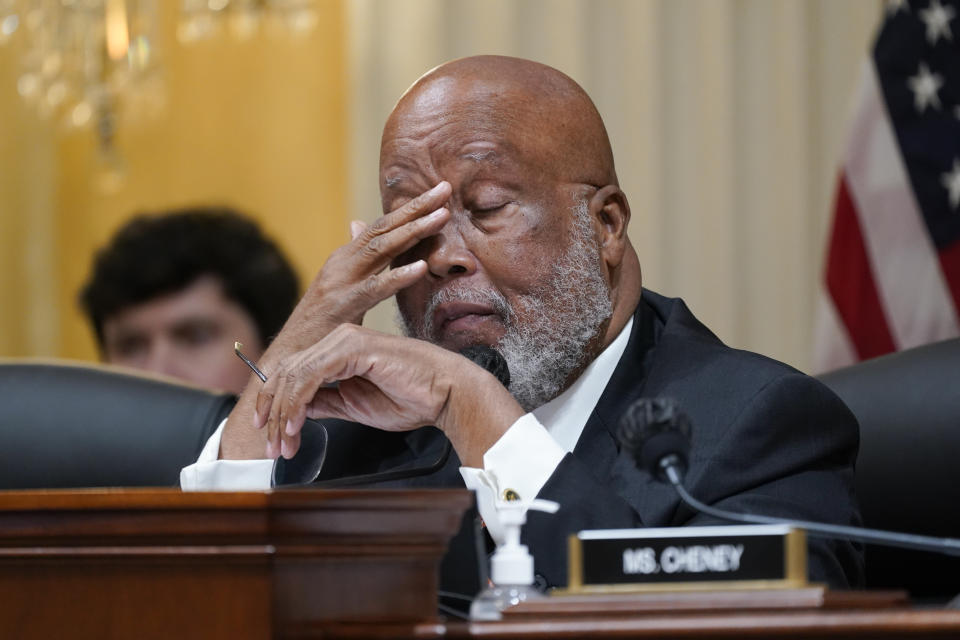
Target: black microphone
<point>305,466</point>
<point>656,432</point>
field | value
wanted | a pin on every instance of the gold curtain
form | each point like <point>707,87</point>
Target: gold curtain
<point>28,298</point>
<point>255,124</point>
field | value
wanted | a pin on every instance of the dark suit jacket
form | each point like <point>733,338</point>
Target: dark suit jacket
<point>766,439</point>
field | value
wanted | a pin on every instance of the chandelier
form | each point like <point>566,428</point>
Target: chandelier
<point>81,60</point>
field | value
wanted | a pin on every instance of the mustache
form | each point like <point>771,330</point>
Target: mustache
<point>459,293</point>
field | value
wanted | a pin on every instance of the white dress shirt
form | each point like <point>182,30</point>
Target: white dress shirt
<point>519,463</point>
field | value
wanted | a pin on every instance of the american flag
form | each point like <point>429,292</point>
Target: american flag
<point>893,264</point>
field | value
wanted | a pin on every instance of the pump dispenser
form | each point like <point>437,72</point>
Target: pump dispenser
<point>511,567</point>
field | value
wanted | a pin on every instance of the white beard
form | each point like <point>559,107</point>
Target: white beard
<point>548,332</point>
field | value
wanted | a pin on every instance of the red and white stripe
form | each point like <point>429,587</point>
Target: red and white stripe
<point>885,288</point>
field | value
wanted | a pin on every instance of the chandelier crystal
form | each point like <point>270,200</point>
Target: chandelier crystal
<point>84,61</point>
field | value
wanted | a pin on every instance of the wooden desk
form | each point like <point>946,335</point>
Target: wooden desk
<point>813,612</point>
<point>166,564</point>
<point>801,613</point>
<point>352,564</point>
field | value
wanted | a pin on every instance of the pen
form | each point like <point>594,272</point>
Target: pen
<point>236,348</point>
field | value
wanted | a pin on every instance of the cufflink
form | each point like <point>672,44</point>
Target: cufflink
<point>510,495</point>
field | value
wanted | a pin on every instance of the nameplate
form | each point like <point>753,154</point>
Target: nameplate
<point>681,558</point>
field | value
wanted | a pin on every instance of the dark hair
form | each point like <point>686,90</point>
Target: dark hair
<point>157,254</point>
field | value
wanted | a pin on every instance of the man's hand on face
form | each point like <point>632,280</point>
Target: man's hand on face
<point>390,382</point>
<point>354,279</point>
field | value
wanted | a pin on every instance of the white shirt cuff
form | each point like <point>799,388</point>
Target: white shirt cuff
<point>209,473</point>
<point>520,462</point>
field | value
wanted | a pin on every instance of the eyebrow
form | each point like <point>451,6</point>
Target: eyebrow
<point>480,156</point>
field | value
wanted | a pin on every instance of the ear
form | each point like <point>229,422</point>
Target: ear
<point>610,213</point>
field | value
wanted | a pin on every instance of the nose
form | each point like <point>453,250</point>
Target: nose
<point>448,255</point>
<point>162,359</point>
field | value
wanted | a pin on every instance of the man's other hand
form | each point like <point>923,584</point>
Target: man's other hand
<point>388,382</point>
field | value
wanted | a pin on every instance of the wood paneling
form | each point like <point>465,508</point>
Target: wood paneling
<point>165,564</point>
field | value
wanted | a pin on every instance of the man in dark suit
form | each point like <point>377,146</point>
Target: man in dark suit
<point>506,227</point>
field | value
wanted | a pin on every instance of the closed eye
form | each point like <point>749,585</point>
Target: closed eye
<point>493,209</point>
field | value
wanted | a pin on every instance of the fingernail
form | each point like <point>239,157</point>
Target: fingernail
<point>285,449</point>
<point>289,428</point>
<point>436,215</point>
<point>438,187</point>
<point>256,420</point>
<point>356,228</point>
<point>413,266</point>
<point>262,407</point>
<point>271,450</point>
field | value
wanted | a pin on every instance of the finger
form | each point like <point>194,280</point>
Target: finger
<point>380,250</point>
<point>356,228</point>
<point>295,419</point>
<point>423,205</point>
<point>301,380</point>
<point>328,403</point>
<point>353,399</point>
<point>262,410</point>
<point>385,284</point>
<point>264,407</point>
<point>426,202</point>
<point>289,446</point>
<point>275,414</point>
<point>401,239</point>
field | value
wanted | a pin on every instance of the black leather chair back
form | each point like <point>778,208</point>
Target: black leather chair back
<point>70,425</point>
<point>908,470</point>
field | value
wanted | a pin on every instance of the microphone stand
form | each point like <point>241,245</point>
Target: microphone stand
<point>670,467</point>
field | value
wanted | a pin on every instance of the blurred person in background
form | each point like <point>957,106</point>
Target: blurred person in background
<point>171,292</point>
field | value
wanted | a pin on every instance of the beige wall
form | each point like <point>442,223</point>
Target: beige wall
<point>257,124</point>
<point>726,117</point>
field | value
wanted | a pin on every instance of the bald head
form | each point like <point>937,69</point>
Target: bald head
<point>540,112</point>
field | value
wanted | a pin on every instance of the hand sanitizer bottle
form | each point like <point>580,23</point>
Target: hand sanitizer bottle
<point>511,568</point>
